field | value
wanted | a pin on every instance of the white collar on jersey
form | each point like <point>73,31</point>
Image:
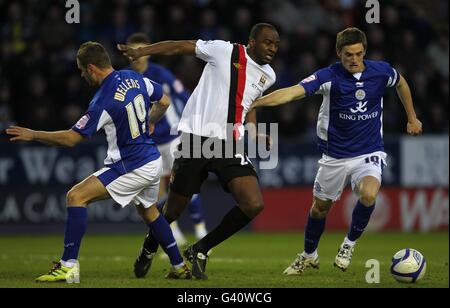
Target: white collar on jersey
<point>357,75</point>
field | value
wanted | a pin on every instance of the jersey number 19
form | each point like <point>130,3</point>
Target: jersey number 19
<point>136,111</point>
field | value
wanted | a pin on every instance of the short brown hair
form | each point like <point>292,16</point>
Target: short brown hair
<point>350,36</point>
<point>138,38</point>
<point>93,53</point>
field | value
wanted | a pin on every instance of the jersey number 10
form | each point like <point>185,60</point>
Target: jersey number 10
<point>136,111</point>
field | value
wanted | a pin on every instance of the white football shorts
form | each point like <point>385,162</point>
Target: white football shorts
<point>167,151</point>
<point>334,174</point>
<point>140,186</point>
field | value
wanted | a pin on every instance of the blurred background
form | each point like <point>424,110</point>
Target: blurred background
<point>41,88</point>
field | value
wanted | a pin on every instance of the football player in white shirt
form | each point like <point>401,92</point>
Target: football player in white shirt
<point>233,78</point>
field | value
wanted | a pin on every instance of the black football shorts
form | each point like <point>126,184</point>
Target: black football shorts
<point>188,174</point>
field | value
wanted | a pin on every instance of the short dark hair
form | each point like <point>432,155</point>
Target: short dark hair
<point>93,53</point>
<point>138,38</point>
<point>350,36</point>
<point>256,29</point>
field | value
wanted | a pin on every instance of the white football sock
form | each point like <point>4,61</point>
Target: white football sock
<point>348,242</point>
<point>311,255</point>
<point>68,263</point>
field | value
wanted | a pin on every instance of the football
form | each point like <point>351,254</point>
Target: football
<point>408,265</point>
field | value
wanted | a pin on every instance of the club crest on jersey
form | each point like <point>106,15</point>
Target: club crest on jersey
<point>262,81</point>
<point>237,66</point>
<point>82,122</point>
<point>360,95</point>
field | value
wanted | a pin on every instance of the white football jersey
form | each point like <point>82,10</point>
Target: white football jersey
<point>230,83</point>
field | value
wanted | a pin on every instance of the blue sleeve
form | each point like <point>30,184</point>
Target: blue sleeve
<point>393,76</point>
<point>313,83</point>
<point>87,126</point>
<point>154,90</point>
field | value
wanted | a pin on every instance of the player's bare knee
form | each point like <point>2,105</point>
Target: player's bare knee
<point>258,208</point>
<point>150,214</point>
<point>368,198</point>
<point>252,209</point>
<point>320,209</point>
<point>74,198</point>
<point>317,213</point>
<point>70,198</point>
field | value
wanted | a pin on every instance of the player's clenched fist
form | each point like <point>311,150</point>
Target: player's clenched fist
<point>414,128</point>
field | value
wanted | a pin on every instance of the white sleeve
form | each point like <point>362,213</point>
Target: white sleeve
<point>210,51</point>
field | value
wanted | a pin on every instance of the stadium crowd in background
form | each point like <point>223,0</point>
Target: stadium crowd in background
<point>40,84</point>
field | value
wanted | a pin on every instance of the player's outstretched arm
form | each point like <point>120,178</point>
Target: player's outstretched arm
<point>281,97</point>
<point>166,48</point>
<point>414,126</point>
<point>67,138</point>
<point>157,112</point>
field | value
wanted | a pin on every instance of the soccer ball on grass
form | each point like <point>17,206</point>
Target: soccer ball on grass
<point>408,265</point>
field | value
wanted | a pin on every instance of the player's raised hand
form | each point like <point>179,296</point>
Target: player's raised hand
<point>131,53</point>
<point>20,133</point>
<point>414,127</point>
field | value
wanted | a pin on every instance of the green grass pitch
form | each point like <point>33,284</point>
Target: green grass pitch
<point>246,260</point>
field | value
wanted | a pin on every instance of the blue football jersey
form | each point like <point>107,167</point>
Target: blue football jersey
<point>350,121</point>
<point>178,95</point>
<point>120,107</point>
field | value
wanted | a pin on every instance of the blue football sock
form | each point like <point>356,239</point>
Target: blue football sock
<point>313,232</point>
<point>195,210</point>
<point>76,226</point>
<point>360,220</point>
<point>163,234</point>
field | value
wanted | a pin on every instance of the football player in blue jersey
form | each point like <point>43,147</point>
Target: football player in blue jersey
<point>121,106</point>
<point>166,133</point>
<point>350,137</point>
